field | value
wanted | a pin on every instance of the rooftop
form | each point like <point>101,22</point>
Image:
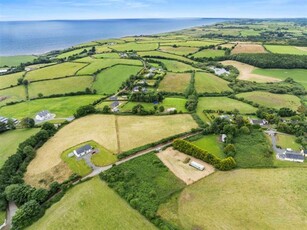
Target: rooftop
<point>83,149</point>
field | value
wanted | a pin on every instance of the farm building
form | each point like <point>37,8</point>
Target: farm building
<point>258,122</point>
<point>43,115</point>
<point>197,165</point>
<point>82,150</point>
<point>114,106</point>
<point>5,120</point>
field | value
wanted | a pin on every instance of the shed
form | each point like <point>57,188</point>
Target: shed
<point>197,165</point>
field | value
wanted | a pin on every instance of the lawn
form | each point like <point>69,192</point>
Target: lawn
<point>209,53</point>
<point>15,60</point>
<point>175,82</point>
<point>211,144</point>
<point>99,64</point>
<point>253,198</point>
<point>10,79</point>
<point>179,50</point>
<point>286,49</point>
<point>134,46</point>
<point>176,66</point>
<point>60,86</point>
<point>111,79</point>
<point>12,94</point>
<point>271,100</point>
<point>91,205</point>
<point>298,75</point>
<point>103,157</point>
<point>209,83</point>
<point>62,106</point>
<point>287,141</point>
<point>54,71</point>
<point>11,139</point>
<point>2,217</point>
<point>165,55</point>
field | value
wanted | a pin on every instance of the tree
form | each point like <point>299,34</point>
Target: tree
<point>42,135</point>
<point>10,124</point>
<point>29,151</point>
<point>40,95</point>
<point>50,128</point>
<point>286,112</point>
<point>161,109</point>
<point>2,126</point>
<point>27,122</point>
<point>40,195</point>
<point>106,109</point>
<point>230,150</point>
<point>244,130</point>
<point>19,81</point>
<point>137,109</point>
<point>19,193</point>
<point>25,82</point>
<point>85,110</point>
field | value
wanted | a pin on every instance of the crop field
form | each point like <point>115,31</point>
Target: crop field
<point>179,50</point>
<point>12,139</point>
<point>209,83</point>
<point>225,104</point>
<point>209,53</point>
<point>286,49</point>
<point>245,186</point>
<point>247,72</point>
<point>211,144</point>
<point>71,53</point>
<point>62,106</point>
<point>110,80</point>
<point>98,64</point>
<point>248,48</point>
<point>91,205</point>
<point>134,46</point>
<point>163,54</point>
<point>287,141</point>
<point>12,94</point>
<point>15,60</point>
<point>271,100</point>
<point>298,75</point>
<point>175,82</point>
<point>112,132</point>
<point>55,71</point>
<point>10,79</point>
<point>176,66</point>
<point>60,86</point>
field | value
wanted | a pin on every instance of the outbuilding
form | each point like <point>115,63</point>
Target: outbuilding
<point>197,165</point>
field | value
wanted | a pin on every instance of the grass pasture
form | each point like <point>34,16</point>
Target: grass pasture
<point>178,50</point>
<point>71,53</point>
<point>211,144</point>
<point>255,198</point>
<point>17,93</point>
<point>10,79</point>
<point>209,53</point>
<point>11,139</point>
<point>196,43</point>
<point>15,60</point>
<point>175,82</point>
<point>176,66</point>
<point>60,86</point>
<point>134,46</point>
<point>271,100</point>
<point>280,49</point>
<point>54,71</point>
<point>165,55</point>
<point>248,48</point>
<point>209,83</point>
<point>91,205</point>
<point>110,80</point>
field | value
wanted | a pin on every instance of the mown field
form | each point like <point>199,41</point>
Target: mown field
<point>134,46</point>
<point>71,53</point>
<point>110,80</point>
<point>55,71</point>
<point>286,49</point>
<point>61,106</point>
<point>175,82</point>
<point>209,53</point>
<point>209,83</point>
<point>60,86</point>
<point>254,198</point>
<point>179,50</point>
<point>248,48</point>
<point>176,66</point>
<point>271,100</point>
<point>211,144</point>
<point>12,94</point>
<point>191,43</point>
<point>165,55</point>
<point>15,60</point>
<point>92,205</point>
<point>10,79</point>
<point>10,141</point>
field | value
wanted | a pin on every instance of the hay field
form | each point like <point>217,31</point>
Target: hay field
<point>10,79</point>
<point>92,205</point>
<point>286,49</point>
<point>253,198</point>
<point>179,50</point>
<point>248,48</point>
<point>176,66</point>
<point>209,53</point>
<point>17,93</point>
<point>175,82</point>
<point>209,83</point>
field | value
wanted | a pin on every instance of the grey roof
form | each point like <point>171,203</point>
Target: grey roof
<point>295,156</point>
<point>83,149</point>
<point>257,121</point>
<point>43,113</point>
<point>113,98</point>
<point>114,104</point>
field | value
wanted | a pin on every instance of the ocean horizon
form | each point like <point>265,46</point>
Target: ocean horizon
<point>38,37</point>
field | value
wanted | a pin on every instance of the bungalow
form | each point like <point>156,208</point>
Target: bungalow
<point>114,106</point>
<point>197,165</point>
<point>258,122</point>
<point>149,75</point>
<point>290,155</point>
<point>43,115</point>
<point>83,150</point>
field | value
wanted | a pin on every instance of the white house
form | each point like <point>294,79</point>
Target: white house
<point>43,115</point>
<point>83,150</point>
<point>197,165</point>
<point>290,155</point>
<point>258,122</point>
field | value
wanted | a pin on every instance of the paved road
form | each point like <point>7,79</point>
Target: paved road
<point>11,210</point>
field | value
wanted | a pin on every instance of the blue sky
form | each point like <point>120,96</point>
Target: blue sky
<point>100,9</point>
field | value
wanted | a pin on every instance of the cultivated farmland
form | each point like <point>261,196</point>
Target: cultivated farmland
<point>175,82</point>
<point>248,48</point>
<point>209,53</point>
<point>209,83</point>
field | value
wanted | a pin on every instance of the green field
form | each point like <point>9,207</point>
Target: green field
<point>103,157</point>
<point>54,71</point>
<point>91,43</point>
<point>175,82</point>
<point>110,80</point>
<point>92,205</point>
<point>179,50</point>
<point>271,100</point>
<point>191,43</point>
<point>107,55</point>
<point>287,141</point>
<point>12,94</point>
<point>211,144</point>
<point>10,79</point>
<point>71,53</point>
<point>98,64</point>
<point>209,83</point>
<point>60,86</point>
<point>209,53</point>
<point>12,139</point>
<point>15,60</point>
<point>298,75</point>
<point>242,199</point>
<point>61,106</point>
<point>134,46</point>
<point>176,66</point>
<point>165,55</point>
<point>286,49</point>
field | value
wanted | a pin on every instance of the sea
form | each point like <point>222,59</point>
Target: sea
<point>38,37</point>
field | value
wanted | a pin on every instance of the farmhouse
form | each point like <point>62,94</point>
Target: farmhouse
<point>82,150</point>
<point>290,155</point>
<point>258,122</point>
<point>197,165</point>
<point>43,115</point>
<point>114,106</point>
<point>5,120</point>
